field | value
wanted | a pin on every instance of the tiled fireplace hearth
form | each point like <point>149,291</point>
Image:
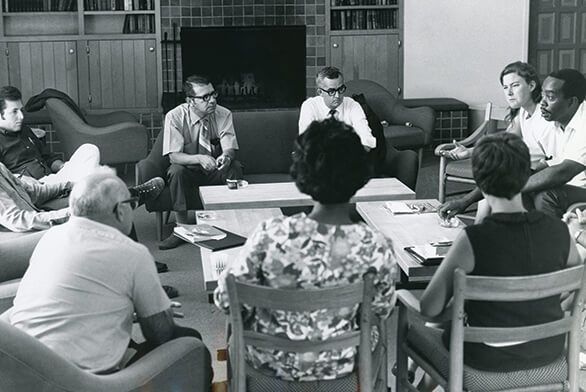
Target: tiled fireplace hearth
<point>204,13</point>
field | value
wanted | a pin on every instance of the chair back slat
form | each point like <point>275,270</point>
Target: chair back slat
<point>511,289</point>
<point>300,300</point>
<point>518,334</point>
<point>521,288</point>
<point>339,342</point>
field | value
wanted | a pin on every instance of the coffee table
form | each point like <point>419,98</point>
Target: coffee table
<point>408,230</point>
<point>241,222</point>
<point>286,194</point>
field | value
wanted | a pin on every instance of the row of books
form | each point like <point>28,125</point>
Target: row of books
<point>363,19</point>
<point>362,2</point>
<point>39,5</point>
<point>139,24</point>
<point>119,5</point>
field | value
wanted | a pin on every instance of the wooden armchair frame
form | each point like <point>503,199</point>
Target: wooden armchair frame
<point>362,293</point>
<point>500,289</point>
<point>446,163</point>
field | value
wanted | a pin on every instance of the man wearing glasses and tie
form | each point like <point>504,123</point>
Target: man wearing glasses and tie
<point>200,141</point>
<point>331,102</point>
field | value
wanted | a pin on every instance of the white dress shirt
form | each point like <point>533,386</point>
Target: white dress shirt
<point>349,112</point>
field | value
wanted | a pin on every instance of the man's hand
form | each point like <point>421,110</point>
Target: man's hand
<point>207,162</point>
<point>223,161</point>
<point>57,165</point>
<point>575,221</point>
<point>452,208</point>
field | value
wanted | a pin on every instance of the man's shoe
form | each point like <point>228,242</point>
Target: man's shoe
<point>171,242</point>
<point>171,291</point>
<point>161,267</point>
<point>149,190</point>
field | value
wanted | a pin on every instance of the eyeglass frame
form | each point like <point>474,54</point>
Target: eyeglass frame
<point>332,92</point>
<point>132,200</point>
<point>206,97</point>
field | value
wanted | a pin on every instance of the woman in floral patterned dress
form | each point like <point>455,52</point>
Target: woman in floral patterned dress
<point>324,248</point>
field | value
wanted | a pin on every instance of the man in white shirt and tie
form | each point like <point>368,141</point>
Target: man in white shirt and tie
<point>200,141</point>
<point>331,102</point>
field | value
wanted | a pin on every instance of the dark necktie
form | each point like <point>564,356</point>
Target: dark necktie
<point>332,113</point>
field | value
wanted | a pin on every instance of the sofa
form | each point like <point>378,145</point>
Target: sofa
<point>265,140</point>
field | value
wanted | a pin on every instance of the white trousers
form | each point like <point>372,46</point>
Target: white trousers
<point>83,162</point>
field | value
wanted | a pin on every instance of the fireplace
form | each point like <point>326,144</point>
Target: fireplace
<point>256,67</point>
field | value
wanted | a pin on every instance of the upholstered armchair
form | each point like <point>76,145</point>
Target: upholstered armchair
<point>15,252</point>
<point>404,128</point>
<point>28,365</point>
<point>120,138</point>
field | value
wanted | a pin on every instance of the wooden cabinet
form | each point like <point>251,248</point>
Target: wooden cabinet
<point>103,54</point>
<point>373,57</point>
<point>121,74</point>
<point>365,40</point>
<point>34,66</point>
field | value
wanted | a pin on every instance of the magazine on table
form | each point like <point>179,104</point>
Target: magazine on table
<point>429,254</point>
<point>208,236</point>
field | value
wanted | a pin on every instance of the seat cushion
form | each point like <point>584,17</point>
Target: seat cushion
<point>461,168</point>
<point>259,382</point>
<point>427,342</point>
<point>403,137</point>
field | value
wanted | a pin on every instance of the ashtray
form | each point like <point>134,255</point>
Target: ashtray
<point>235,184</point>
<point>206,215</point>
<point>449,222</point>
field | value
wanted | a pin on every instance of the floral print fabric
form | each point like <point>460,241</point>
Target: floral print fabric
<point>297,252</point>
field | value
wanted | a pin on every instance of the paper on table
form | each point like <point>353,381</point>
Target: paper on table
<point>196,233</point>
<point>398,207</point>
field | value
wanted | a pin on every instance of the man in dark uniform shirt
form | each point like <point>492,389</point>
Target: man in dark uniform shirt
<point>23,153</point>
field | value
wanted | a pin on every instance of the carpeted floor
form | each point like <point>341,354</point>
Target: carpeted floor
<point>185,271</point>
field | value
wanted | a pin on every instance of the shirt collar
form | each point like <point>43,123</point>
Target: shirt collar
<point>578,119</point>
<point>194,118</point>
<point>326,109</point>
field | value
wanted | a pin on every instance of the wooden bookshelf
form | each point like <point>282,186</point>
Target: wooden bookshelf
<point>105,54</point>
<point>365,40</point>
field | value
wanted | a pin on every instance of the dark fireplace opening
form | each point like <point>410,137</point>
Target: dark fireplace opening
<point>252,67</point>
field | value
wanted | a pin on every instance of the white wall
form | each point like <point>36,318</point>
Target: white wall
<point>457,48</point>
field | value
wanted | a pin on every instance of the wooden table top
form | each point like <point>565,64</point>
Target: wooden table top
<point>408,230</point>
<point>241,222</point>
<point>286,194</point>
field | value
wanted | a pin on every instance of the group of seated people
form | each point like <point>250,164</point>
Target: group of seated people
<point>86,270</point>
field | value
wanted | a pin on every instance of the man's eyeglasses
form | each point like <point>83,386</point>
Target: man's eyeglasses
<point>331,92</point>
<point>133,201</point>
<point>207,97</point>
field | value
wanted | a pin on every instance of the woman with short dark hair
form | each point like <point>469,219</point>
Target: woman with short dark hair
<point>509,242</point>
<point>321,249</point>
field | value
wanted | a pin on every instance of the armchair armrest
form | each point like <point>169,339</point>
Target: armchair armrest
<point>114,128</point>
<point>411,303</point>
<point>421,117</point>
<point>105,119</point>
<point>149,168</point>
<point>466,142</point>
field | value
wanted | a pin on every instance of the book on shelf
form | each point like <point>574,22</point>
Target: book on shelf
<point>209,237</point>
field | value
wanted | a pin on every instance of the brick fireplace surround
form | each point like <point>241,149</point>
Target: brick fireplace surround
<point>202,13</point>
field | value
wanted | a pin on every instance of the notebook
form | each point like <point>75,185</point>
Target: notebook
<point>428,254</point>
<point>210,237</point>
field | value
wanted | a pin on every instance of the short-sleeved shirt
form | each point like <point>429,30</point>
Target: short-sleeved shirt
<point>571,144</point>
<point>538,134</point>
<point>298,252</point>
<point>349,112</point>
<point>182,126</point>
<point>78,295</point>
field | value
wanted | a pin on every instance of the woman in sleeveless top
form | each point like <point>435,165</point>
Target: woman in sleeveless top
<point>509,242</point>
